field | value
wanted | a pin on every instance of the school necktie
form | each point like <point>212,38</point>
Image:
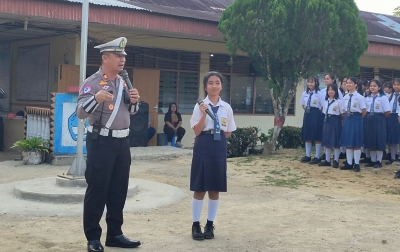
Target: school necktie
<point>217,128</point>
<point>309,103</point>
<point>394,109</point>
<point>349,105</point>
<point>327,108</point>
<point>371,110</point>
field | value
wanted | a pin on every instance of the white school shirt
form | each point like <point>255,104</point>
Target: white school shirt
<point>394,100</point>
<point>357,102</point>
<point>381,104</point>
<point>339,92</point>
<point>335,108</point>
<point>317,99</point>
<point>225,116</point>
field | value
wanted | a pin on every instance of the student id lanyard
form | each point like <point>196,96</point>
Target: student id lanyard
<point>309,103</point>
<point>217,127</point>
<point>327,108</point>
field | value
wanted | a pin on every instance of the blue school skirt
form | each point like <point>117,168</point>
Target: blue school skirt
<point>208,171</point>
<point>352,132</point>
<point>375,132</point>
<point>312,125</point>
<point>332,131</point>
<point>393,129</point>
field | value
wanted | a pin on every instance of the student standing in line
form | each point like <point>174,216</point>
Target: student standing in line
<point>375,123</point>
<point>332,128</point>
<point>312,101</point>
<point>392,124</point>
<point>208,171</point>
<point>344,91</point>
<point>354,109</point>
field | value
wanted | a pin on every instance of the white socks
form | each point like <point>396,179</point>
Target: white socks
<point>349,156</point>
<point>308,149</point>
<point>367,153</point>
<point>328,154</point>
<point>317,150</point>
<point>196,209</point>
<point>337,153</point>
<point>212,209</point>
<point>343,150</point>
<point>393,151</point>
<point>379,155</point>
<point>357,155</point>
<point>373,156</point>
<point>197,206</point>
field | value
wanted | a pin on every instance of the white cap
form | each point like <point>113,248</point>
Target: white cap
<point>116,46</point>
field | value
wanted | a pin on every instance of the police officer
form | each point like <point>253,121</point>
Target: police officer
<point>107,103</point>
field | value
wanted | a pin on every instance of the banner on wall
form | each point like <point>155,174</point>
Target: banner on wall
<point>5,73</point>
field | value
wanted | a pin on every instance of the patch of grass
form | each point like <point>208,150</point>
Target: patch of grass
<point>252,172</point>
<point>292,183</point>
<point>360,175</point>
<point>393,191</point>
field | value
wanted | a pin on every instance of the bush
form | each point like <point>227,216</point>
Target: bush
<point>289,138</point>
<point>241,139</point>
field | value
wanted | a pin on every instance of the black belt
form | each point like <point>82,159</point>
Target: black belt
<point>355,113</point>
<point>210,132</point>
<point>331,115</point>
<point>314,108</point>
<point>374,113</point>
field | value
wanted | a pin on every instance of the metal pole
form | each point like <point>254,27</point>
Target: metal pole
<point>78,167</point>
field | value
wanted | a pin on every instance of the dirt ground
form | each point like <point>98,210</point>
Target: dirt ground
<point>273,203</point>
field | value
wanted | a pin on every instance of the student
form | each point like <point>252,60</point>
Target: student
<point>388,88</point>
<point>364,151</point>
<point>332,125</point>
<point>392,123</point>
<point>343,88</point>
<point>208,171</point>
<point>354,109</point>
<point>312,101</point>
<point>375,123</point>
<point>328,80</point>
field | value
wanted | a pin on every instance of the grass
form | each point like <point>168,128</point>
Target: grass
<point>292,183</point>
<point>393,191</point>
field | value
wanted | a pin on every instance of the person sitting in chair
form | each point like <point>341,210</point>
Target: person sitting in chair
<point>151,131</point>
<point>173,122</point>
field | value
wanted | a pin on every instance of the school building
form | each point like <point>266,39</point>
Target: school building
<point>171,45</point>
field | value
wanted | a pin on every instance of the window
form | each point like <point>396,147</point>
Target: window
<point>167,93</point>
<point>188,91</point>
<point>242,94</point>
<point>388,74</point>
<point>366,73</point>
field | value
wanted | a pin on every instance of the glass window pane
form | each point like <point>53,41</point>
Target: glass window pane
<point>263,100</point>
<point>226,89</point>
<point>167,93</point>
<point>188,92</point>
<point>242,94</point>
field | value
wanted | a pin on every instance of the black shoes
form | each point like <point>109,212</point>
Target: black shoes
<point>305,159</point>
<point>94,246</point>
<point>209,231</point>
<point>196,232</point>
<point>346,167</point>
<point>356,168</point>
<point>397,175</point>
<point>335,164</point>
<point>120,241</point>
<point>389,162</point>
<point>342,155</point>
<point>314,161</point>
<point>365,160</point>
<point>324,163</point>
<point>378,164</point>
<point>323,157</point>
<point>370,164</point>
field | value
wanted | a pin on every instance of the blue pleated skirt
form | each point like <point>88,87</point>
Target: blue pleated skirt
<point>375,132</point>
<point>332,131</point>
<point>352,132</point>
<point>208,171</point>
<point>312,125</point>
<point>393,129</point>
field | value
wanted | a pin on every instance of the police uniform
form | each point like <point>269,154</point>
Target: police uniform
<point>108,149</point>
<point>392,122</point>
<point>375,122</point>
<point>208,171</point>
<point>352,131</point>
<point>332,128</point>
<point>313,117</point>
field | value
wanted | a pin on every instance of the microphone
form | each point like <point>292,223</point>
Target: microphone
<point>200,101</point>
<point>124,75</point>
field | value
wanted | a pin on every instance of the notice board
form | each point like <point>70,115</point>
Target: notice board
<point>33,73</point>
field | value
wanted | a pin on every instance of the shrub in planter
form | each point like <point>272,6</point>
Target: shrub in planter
<point>33,149</point>
<point>240,140</point>
<point>290,138</point>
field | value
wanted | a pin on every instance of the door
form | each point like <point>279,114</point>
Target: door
<point>147,82</point>
<point>68,76</point>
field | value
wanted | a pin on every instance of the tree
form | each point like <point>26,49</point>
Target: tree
<point>396,12</point>
<point>288,40</point>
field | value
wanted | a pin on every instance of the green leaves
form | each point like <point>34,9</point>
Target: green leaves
<point>32,144</point>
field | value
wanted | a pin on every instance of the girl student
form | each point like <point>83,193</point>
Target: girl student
<point>208,170</point>
<point>332,128</point>
<point>354,109</point>
<point>388,88</point>
<point>366,93</point>
<point>392,123</point>
<point>312,101</point>
<point>343,88</point>
<point>375,123</point>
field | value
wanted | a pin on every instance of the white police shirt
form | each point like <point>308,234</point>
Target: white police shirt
<point>339,92</point>
<point>394,100</point>
<point>225,116</point>
<point>357,102</point>
<point>335,107</point>
<point>381,103</point>
<point>317,99</point>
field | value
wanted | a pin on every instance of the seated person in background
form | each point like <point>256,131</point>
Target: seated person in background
<point>151,130</point>
<point>173,122</point>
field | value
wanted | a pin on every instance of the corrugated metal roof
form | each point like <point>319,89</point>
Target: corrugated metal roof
<point>382,28</point>
<point>113,3</point>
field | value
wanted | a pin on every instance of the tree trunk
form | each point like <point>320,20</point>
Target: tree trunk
<point>269,146</point>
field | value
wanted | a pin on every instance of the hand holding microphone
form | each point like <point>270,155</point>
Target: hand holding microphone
<point>133,93</point>
<point>204,107</point>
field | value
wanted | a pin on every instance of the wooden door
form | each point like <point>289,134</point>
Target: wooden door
<point>147,82</point>
<point>68,76</point>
